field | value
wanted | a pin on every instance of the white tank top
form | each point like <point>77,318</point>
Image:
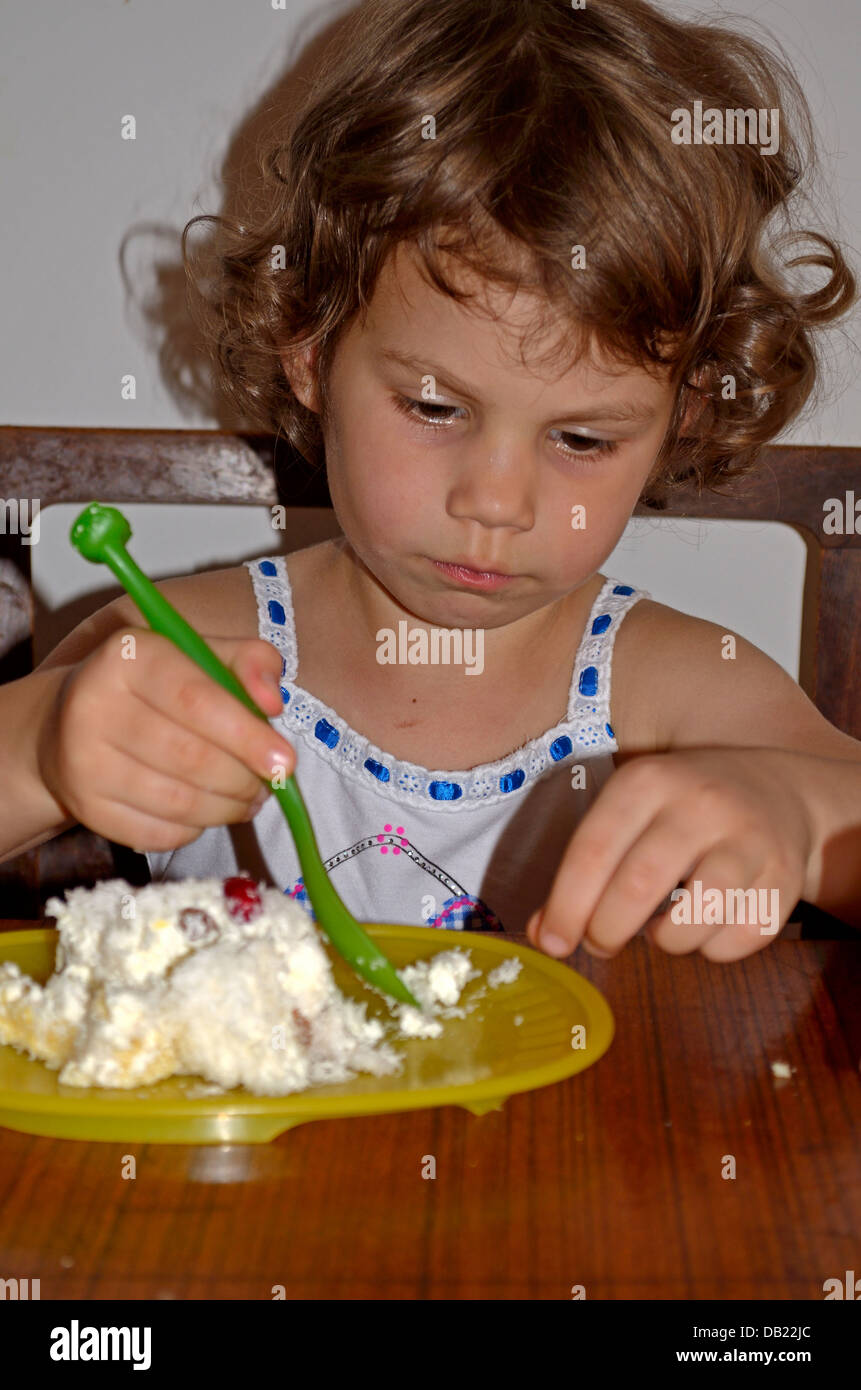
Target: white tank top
<point>474,849</point>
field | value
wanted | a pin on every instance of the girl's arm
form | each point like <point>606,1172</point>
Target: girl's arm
<point>29,814</point>
<point>735,799</point>
<point>719,690</point>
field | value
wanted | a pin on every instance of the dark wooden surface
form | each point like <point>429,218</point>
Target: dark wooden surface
<point>611,1179</point>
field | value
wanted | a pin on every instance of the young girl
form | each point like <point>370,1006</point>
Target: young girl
<point>512,273</point>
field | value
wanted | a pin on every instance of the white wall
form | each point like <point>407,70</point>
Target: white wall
<point>91,226</point>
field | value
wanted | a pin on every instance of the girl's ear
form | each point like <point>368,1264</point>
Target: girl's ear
<point>300,369</point>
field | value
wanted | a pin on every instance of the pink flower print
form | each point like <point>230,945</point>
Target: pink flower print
<point>398,830</point>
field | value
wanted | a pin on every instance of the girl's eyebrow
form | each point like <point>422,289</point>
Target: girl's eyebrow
<point>624,411</point>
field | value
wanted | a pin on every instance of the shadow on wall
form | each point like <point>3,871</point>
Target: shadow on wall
<point>165,322</point>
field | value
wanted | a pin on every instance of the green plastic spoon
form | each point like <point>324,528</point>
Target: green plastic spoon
<point>100,533</point>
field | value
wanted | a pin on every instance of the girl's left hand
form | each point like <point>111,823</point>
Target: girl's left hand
<point>732,819</point>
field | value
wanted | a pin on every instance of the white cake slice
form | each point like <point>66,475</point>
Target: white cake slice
<point>222,979</point>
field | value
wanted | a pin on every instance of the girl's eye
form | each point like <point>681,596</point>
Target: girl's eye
<point>434,415</point>
<point>416,410</point>
<point>595,448</point>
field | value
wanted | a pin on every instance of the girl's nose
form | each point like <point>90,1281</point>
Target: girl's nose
<point>495,489</point>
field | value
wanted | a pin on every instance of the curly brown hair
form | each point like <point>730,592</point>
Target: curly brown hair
<point>552,128</point>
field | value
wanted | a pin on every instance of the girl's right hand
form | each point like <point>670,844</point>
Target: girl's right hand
<point>148,750</point>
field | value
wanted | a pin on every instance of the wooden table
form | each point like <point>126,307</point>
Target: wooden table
<point>611,1179</point>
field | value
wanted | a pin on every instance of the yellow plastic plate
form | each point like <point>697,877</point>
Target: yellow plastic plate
<point>478,1062</point>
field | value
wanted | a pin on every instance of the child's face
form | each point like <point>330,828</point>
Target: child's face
<point>493,485</point>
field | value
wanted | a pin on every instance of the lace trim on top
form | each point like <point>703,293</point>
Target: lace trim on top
<point>585,729</point>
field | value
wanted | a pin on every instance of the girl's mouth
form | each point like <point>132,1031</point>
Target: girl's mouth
<point>475,579</point>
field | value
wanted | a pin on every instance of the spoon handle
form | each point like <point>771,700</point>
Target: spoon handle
<point>100,534</point>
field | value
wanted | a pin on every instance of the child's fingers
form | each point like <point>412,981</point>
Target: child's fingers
<point>770,904</point>
<point>139,794</point>
<point>140,832</point>
<point>176,687</point>
<point>258,665</point>
<point>735,942</point>
<point>623,811</point>
<point>726,870</point>
<point>157,741</point>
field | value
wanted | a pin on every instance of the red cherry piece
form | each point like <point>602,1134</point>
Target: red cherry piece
<point>243,898</point>
<point>196,923</point>
<point>303,1027</point>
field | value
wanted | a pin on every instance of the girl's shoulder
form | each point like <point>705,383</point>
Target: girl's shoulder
<point>217,603</point>
<point>684,682</point>
<point>660,658</point>
<point>222,603</point>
